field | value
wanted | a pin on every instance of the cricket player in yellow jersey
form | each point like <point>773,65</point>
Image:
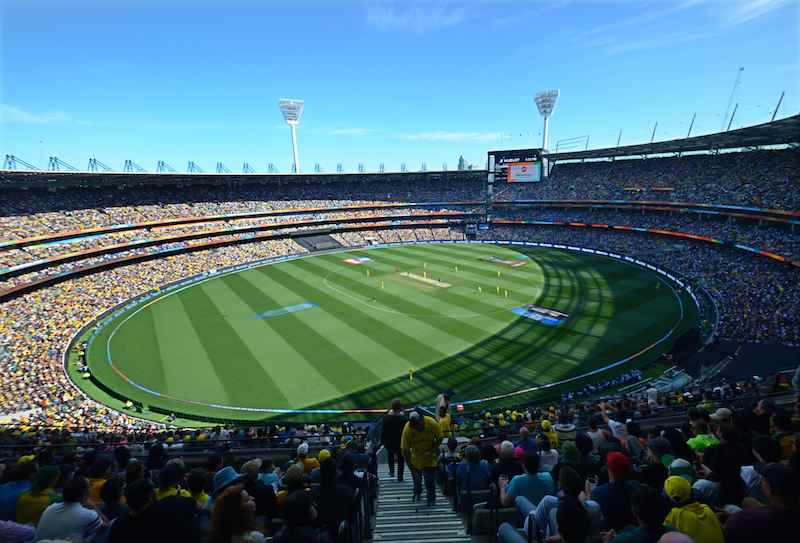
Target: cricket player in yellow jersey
<point>420,446</point>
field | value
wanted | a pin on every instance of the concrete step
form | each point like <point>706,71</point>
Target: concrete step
<point>422,523</point>
<point>446,535</point>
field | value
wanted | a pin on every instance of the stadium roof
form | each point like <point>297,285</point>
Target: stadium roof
<point>779,132</point>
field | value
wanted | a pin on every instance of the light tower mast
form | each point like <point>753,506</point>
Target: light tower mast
<point>292,109</point>
<point>545,103</point>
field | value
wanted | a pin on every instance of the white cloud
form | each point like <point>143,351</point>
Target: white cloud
<point>11,114</point>
<point>645,30</point>
<point>641,18</point>
<point>418,17</point>
<point>446,135</point>
<point>744,11</point>
<point>351,131</point>
<point>654,43</point>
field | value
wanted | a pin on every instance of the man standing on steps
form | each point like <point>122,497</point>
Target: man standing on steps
<point>420,445</point>
<point>392,428</point>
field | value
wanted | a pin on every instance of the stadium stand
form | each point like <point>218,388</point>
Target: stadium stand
<point>632,444</point>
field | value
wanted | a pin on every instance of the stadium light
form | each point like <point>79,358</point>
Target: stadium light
<point>292,109</point>
<point>545,103</point>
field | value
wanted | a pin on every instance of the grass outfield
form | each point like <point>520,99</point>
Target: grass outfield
<point>318,332</point>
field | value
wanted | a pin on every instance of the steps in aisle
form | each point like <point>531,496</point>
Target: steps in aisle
<point>399,518</point>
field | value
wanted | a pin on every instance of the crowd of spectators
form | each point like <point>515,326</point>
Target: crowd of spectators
<point>720,474</point>
<point>35,329</point>
<point>765,179</point>
<point>782,239</point>
<point>109,493</point>
<point>757,297</point>
<point>38,211</point>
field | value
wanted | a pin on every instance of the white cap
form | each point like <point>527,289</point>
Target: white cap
<point>302,448</point>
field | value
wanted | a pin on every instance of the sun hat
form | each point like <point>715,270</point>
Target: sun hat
<point>225,478</point>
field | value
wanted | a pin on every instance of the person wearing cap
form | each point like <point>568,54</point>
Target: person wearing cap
<point>723,415</point>
<point>776,521</point>
<point>419,443</point>
<point>264,495</point>
<point>688,515</point>
<point>391,431</point>
<point>549,433</point>
<point>614,497</point>
<point>32,503</point>
<point>309,464</point>
<point>682,468</point>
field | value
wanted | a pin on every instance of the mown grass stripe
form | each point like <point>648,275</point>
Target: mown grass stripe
<point>138,340</point>
<point>489,303</point>
<point>410,306</point>
<point>179,348</point>
<point>238,370</point>
<point>353,322</point>
<point>270,348</point>
<point>333,363</point>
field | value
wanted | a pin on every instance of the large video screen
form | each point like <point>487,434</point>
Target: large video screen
<point>516,166</point>
<point>524,172</point>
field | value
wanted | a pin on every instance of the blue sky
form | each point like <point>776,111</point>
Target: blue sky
<point>390,82</point>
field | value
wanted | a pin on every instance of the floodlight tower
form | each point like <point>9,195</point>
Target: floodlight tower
<point>292,109</point>
<point>545,103</point>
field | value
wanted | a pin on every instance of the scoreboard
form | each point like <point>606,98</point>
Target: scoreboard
<point>516,166</point>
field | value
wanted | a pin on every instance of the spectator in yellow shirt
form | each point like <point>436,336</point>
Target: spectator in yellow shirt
<point>420,446</point>
<point>169,481</point>
<point>31,504</point>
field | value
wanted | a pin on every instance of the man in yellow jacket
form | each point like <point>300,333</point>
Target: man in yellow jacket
<point>420,446</point>
<point>689,516</point>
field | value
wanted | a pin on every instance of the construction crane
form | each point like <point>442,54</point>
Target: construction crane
<point>246,168</point>
<point>162,167</point>
<point>13,162</point>
<point>56,165</point>
<point>131,166</point>
<point>95,165</point>
<point>222,168</point>
<point>193,167</point>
